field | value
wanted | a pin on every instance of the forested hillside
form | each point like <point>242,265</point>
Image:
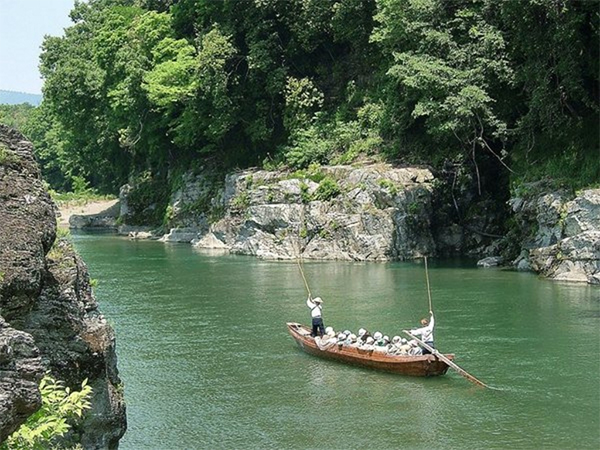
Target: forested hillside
<point>17,98</point>
<point>506,91</point>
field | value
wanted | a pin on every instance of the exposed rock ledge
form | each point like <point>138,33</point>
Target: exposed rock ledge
<point>373,213</point>
<point>378,213</point>
<point>49,318</point>
<point>563,234</point>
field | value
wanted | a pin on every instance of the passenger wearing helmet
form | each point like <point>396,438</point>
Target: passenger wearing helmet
<point>350,339</point>
<point>426,332</point>
<point>363,334</point>
<point>404,347</point>
<point>379,339</point>
<point>414,349</point>
<point>369,344</point>
<point>316,312</point>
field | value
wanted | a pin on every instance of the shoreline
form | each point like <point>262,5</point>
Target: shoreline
<point>66,210</point>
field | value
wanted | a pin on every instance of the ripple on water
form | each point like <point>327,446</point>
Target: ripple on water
<point>207,362</point>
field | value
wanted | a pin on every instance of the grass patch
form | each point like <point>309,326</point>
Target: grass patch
<point>328,189</point>
<point>7,156</point>
<point>389,185</point>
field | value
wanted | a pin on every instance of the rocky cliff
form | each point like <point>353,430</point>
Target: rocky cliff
<point>49,319</point>
<point>558,232</point>
<point>373,213</point>
<point>380,212</point>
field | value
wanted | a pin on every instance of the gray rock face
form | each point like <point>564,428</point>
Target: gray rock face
<point>564,238</point>
<point>21,370</point>
<point>190,202</point>
<point>376,213</point>
<point>48,316</point>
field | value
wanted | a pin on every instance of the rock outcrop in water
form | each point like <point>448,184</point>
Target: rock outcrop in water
<point>49,318</point>
<point>373,213</point>
<point>561,234</point>
<point>379,212</point>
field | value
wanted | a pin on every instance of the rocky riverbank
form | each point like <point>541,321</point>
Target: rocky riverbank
<point>558,233</point>
<point>375,213</point>
<point>49,319</point>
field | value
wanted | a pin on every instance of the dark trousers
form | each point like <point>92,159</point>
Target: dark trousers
<point>427,352</point>
<point>317,326</point>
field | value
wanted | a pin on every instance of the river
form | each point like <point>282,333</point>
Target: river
<point>207,362</point>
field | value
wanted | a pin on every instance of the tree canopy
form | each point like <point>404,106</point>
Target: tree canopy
<point>141,85</point>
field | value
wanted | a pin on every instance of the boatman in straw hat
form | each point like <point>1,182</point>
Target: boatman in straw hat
<point>426,331</point>
<point>316,312</point>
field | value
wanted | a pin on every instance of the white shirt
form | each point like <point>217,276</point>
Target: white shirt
<point>425,332</point>
<point>315,309</point>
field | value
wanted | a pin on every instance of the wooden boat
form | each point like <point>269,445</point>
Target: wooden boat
<point>419,366</point>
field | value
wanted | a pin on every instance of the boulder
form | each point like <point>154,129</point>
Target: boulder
<point>490,261</point>
<point>186,235</point>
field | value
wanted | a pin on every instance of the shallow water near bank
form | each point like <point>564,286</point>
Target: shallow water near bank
<point>207,362</point>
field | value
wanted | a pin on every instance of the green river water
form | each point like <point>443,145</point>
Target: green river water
<point>207,362</point>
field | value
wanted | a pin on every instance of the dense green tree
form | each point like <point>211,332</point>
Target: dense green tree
<point>144,87</point>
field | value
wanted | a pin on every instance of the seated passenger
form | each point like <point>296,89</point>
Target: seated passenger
<point>350,339</point>
<point>363,334</point>
<point>378,336</point>
<point>404,347</point>
<point>414,350</point>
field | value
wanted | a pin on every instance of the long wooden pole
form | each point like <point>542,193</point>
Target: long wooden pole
<point>299,257</point>
<point>303,277</point>
<point>428,289</point>
<point>438,355</point>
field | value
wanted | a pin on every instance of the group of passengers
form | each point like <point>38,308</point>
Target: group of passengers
<point>376,342</point>
<point>372,342</point>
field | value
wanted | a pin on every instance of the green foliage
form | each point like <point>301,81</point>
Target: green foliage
<point>7,157</point>
<point>242,201</point>
<point>305,196</point>
<point>336,142</point>
<point>63,233</point>
<point>78,198</point>
<point>80,185</point>
<point>302,101</point>
<point>303,233</point>
<point>147,200</point>
<point>169,215</point>
<point>328,189</point>
<point>144,86</point>
<point>447,61</point>
<point>389,185</point>
<point>16,116</point>
<point>61,408</point>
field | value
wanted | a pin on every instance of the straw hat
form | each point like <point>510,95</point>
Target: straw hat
<point>317,300</point>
